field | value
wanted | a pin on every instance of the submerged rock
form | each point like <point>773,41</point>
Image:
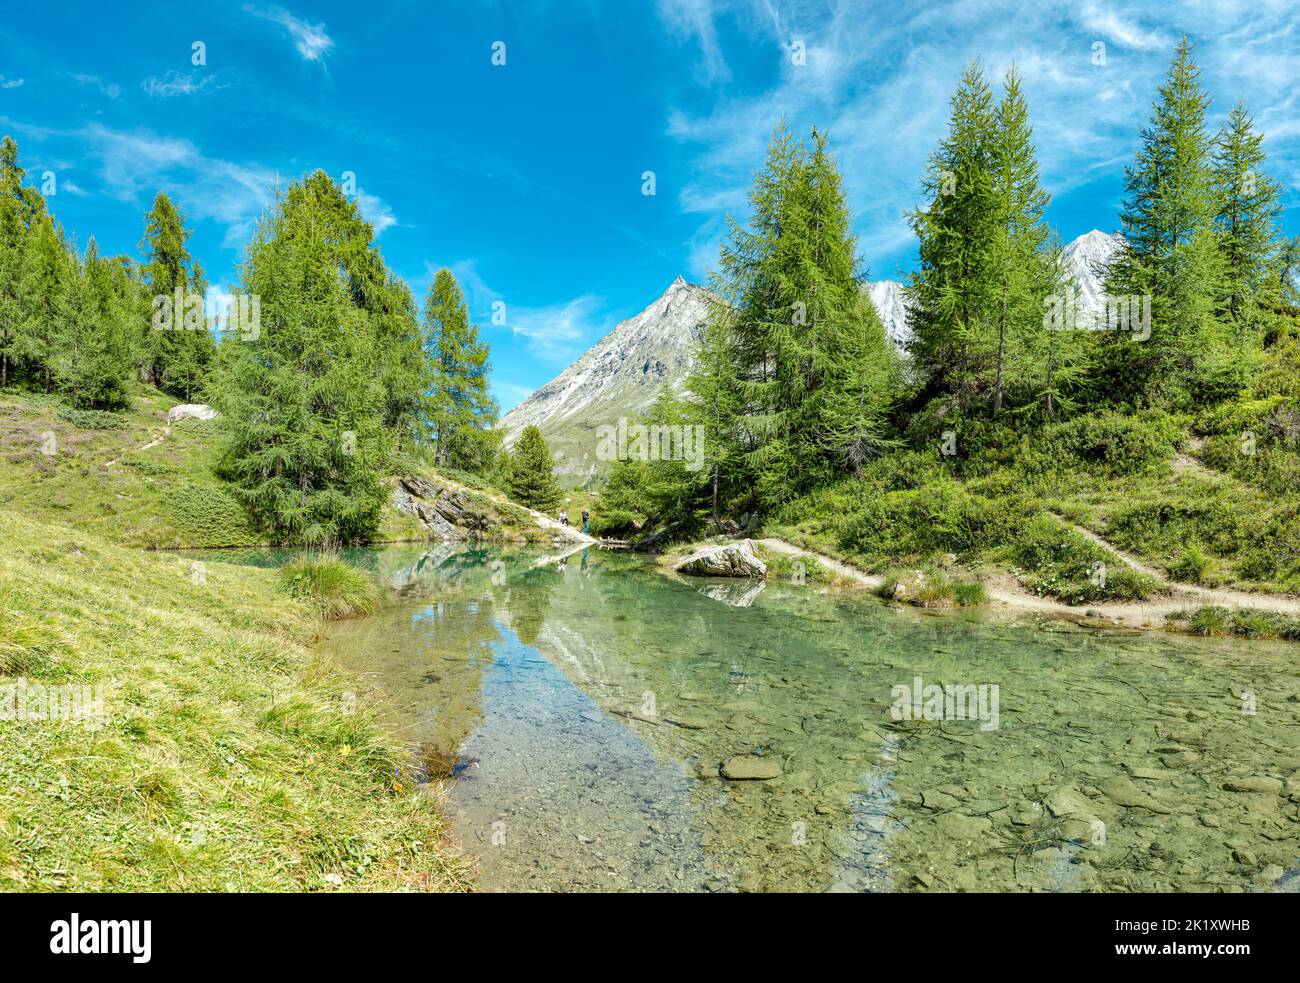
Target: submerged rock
<point>724,560</point>
<point>1256,783</point>
<point>747,768</point>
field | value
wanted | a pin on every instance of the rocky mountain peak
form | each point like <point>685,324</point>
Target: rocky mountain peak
<point>621,374</point>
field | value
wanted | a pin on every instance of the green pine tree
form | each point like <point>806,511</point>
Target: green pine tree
<point>461,411</point>
<point>20,208</point>
<point>1171,253</point>
<point>302,403</point>
<point>92,368</point>
<point>954,293</point>
<point>178,351</point>
<point>531,480</point>
<point>1249,206</point>
<point>45,277</point>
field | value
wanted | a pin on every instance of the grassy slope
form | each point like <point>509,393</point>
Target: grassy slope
<point>108,483</point>
<point>1172,492</point>
<point>228,758</point>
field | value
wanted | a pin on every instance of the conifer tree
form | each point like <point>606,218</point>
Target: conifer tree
<point>953,293</point>
<point>461,411</point>
<point>1249,205</point>
<point>20,206</point>
<point>715,403</point>
<point>808,355</point>
<point>179,354</point>
<point>302,403</point>
<point>1170,253</point>
<point>1024,263</point>
<point>532,478</point>
<point>44,282</point>
<point>91,365</point>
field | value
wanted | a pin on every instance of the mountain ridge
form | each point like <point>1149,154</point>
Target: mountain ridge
<point>622,373</point>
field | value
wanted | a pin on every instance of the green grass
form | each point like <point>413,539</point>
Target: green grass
<point>334,588</point>
<point>1220,622</point>
<point>783,566</point>
<point>105,481</point>
<point>931,588</point>
<point>228,757</point>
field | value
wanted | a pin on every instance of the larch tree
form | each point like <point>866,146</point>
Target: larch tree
<point>1171,253</point>
<point>461,410</point>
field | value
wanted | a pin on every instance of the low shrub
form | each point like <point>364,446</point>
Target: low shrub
<point>92,419</point>
<point>1219,622</point>
<point>1192,566</point>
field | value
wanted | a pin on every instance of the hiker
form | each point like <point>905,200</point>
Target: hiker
<point>564,516</point>
<point>585,527</point>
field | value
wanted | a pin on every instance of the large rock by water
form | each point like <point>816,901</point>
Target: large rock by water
<point>724,560</point>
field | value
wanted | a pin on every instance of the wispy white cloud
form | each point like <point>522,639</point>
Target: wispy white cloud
<point>376,211</point>
<point>878,79</point>
<point>558,333</point>
<point>110,89</point>
<point>311,41</point>
<point>7,83</point>
<point>1114,26</point>
<point>136,163</point>
<point>694,21</point>
<point>175,84</point>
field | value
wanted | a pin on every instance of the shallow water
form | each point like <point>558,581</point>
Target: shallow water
<point>584,710</point>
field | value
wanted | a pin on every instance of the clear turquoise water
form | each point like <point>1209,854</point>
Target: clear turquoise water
<point>583,711</point>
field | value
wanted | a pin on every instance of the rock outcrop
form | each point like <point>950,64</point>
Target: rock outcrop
<point>444,511</point>
<point>724,560</point>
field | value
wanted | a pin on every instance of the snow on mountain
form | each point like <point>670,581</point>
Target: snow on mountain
<point>1086,259</point>
<point>621,374</point>
<point>618,376</point>
<point>887,297</point>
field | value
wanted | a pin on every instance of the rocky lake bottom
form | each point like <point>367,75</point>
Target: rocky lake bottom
<point>602,726</point>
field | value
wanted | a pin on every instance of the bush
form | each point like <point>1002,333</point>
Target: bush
<point>1114,444</point>
<point>1220,622</point>
<point>340,591</point>
<point>92,419</point>
<point>615,520</point>
<point>207,516</point>
<point>1192,566</point>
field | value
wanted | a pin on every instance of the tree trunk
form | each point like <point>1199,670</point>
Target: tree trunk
<point>1002,350</point>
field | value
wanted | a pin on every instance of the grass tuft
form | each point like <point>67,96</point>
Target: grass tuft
<point>338,590</point>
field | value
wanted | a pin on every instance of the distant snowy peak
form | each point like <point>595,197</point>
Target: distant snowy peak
<point>1086,260</point>
<point>891,304</point>
<point>626,368</point>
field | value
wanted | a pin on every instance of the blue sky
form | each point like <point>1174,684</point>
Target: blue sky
<point>526,178</point>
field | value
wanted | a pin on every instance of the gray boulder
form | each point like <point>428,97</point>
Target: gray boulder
<point>724,560</point>
<point>190,411</point>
